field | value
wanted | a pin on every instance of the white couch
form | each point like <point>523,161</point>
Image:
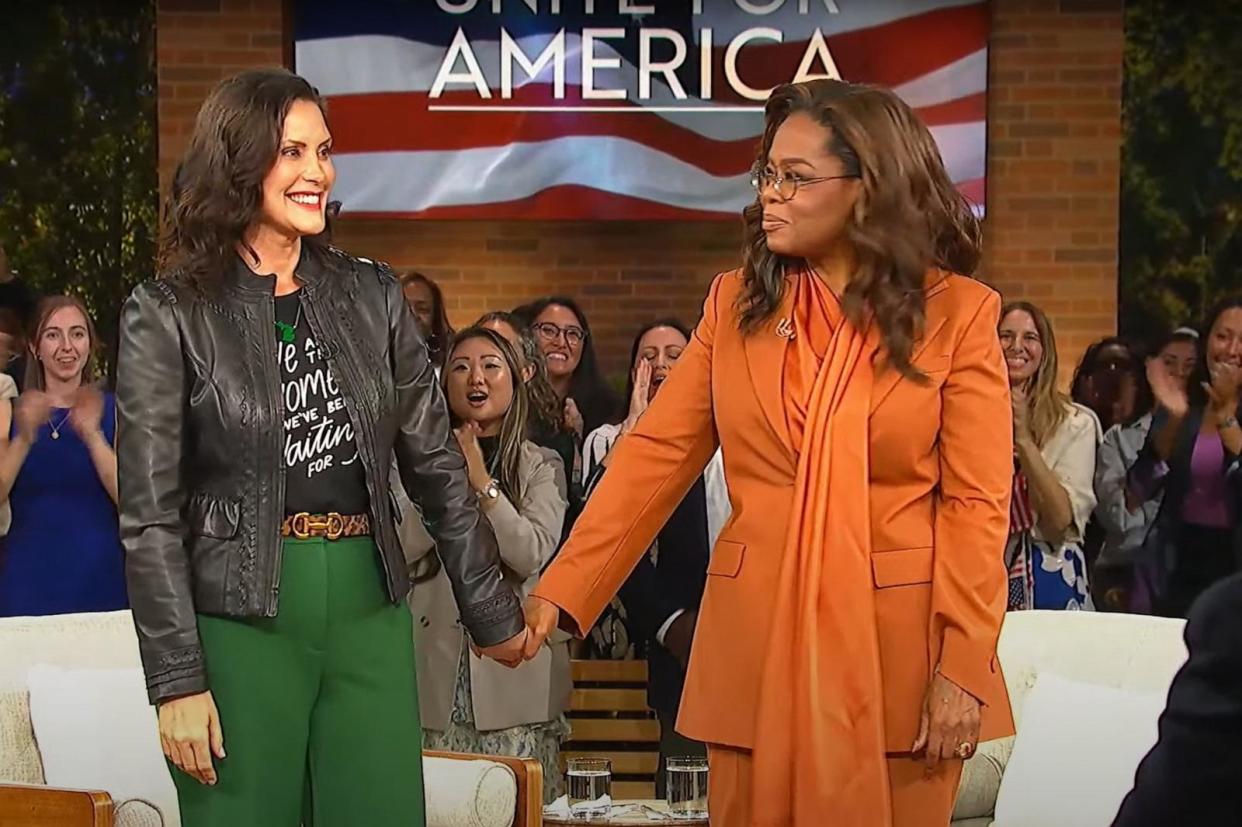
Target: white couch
<point>481,792</point>
<point>1120,651</point>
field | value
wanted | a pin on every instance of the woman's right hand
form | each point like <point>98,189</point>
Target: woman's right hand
<point>640,395</point>
<point>1168,391</point>
<point>190,735</point>
<point>31,410</point>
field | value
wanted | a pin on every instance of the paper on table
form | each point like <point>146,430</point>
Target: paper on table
<point>560,808</point>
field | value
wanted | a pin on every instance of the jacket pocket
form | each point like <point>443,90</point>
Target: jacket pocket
<point>726,560</point>
<point>213,516</point>
<point>902,567</point>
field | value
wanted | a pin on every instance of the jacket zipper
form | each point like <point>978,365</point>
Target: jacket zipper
<point>271,370</point>
<point>343,368</point>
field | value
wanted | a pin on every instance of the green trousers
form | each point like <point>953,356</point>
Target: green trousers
<point>318,705</point>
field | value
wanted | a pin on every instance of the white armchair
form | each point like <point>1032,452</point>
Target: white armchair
<point>1132,652</point>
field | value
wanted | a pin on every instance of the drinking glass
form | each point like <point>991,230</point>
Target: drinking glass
<point>590,788</point>
<point>687,787</point>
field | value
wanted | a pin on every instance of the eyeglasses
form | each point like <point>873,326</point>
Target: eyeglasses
<point>550,332</point>
<point>787,184</point>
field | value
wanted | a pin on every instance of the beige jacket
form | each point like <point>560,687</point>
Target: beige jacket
<point>527,536</point>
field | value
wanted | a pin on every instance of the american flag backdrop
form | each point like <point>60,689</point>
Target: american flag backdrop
<point>544,153</point>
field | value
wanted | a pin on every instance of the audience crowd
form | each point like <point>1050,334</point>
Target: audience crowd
<point>1123,489</point>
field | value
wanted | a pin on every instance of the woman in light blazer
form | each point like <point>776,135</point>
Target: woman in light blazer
<point>467,703</point>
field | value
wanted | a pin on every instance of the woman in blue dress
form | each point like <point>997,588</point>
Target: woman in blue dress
<point>58,471</point>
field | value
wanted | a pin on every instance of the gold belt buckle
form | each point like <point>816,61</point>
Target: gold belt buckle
<point>303,524</point>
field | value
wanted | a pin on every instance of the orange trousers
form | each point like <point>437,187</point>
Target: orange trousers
<point>918,800</point>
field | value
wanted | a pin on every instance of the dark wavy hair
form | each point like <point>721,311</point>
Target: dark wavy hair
<point>596,401</point>
<point>669,322</point>
<point>545,408</point>
<point>1195,392</point>
<point>909,216</point>
<point>218,186</point>
<point>441,329</point>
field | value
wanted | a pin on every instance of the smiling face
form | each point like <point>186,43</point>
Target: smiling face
<point>1179,358</point>
<point>295,190</point>
<point>1023,346</point>
<point>810,223</point>
<point>661,347</point>
<point>561,336</point>
<point>1224,342</point>
<point>64,345</point>
<point>479,384</point>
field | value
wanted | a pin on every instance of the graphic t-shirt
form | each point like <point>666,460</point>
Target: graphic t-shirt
<point>323,470</point>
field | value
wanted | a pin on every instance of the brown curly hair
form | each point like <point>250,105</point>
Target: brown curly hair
<point>909,216</point>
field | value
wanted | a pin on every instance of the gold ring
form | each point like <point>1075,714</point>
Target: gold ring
<point>965,750</point>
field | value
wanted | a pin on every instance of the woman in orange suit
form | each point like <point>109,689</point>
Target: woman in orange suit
<point>844,661</point>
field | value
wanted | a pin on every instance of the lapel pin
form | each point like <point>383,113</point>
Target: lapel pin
<point>785,329</point>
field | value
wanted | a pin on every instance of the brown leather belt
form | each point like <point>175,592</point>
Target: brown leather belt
<point>332,526</point>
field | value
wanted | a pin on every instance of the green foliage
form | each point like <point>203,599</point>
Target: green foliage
<point>78,172</point>
<point>1181,190</point>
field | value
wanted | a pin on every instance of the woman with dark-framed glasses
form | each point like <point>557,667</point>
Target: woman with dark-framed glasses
<point>851,374</point>
<point>564,336</point>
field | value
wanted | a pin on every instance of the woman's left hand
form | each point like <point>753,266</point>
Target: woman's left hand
<point>86,415</point>
<point>949,727</point>
<point>1222,391</point>
<point>476,466</point>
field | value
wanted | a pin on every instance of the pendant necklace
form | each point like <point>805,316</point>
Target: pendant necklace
<point>56,426</point>
<point>287,332</point>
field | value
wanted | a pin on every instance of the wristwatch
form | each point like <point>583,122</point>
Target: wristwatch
<point>491,491</point>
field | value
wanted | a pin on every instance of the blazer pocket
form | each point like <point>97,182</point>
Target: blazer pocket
<point>214,516</point>
<point>903,567</point>
<point>726,560</point>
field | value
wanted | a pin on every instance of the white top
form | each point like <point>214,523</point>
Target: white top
<point>1070,455</point>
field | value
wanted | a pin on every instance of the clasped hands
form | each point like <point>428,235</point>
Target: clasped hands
<point>541,619</point>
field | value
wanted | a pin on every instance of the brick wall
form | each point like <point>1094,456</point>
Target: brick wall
<point>1053,171</point>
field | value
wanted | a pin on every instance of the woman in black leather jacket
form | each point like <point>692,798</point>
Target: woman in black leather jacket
<point>266,382</point>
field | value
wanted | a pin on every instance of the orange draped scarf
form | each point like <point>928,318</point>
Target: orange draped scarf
<point>819,749</point>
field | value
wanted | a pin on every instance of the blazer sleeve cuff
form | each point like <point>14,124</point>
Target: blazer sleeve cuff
<point>967,664</point>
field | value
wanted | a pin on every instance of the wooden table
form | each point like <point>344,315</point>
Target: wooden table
<point>636,817</point>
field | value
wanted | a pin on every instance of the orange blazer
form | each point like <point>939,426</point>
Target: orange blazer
<point>941,455</point>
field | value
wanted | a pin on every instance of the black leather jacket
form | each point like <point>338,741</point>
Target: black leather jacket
<point>200,454</point>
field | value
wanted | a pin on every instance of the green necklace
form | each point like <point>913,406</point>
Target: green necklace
<point>287,332</point>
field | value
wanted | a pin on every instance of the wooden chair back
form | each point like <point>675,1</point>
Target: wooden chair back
<point>610,719</point>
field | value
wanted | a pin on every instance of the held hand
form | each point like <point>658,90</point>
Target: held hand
<point>679,636</point>
<point>508,653</point>
<point>949,727</point>
<point>1168,392</point>
<point>1222,391</point>
<point>190,734</point>
<point>541,619</point>
<point>31,410</point>
<point>86,416</point>
<point>573,418</point>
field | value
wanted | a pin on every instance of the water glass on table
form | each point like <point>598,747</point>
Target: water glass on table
<point>687,787</point>
<point>590,788</point>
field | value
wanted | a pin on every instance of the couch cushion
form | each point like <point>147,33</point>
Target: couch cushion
<point>98,640</point>
<point>96,731</point>
<point>1075,756</point>
<point>19,757</point>
<point>469,793</point>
